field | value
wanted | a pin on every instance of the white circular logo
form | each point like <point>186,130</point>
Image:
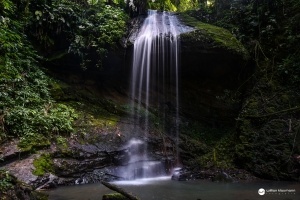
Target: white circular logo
<point>261,191</point>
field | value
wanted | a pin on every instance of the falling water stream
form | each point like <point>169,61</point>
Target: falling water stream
<point>156,60</point>
<point>155,70</point>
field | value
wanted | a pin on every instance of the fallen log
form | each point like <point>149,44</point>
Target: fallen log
<point>119,190</point>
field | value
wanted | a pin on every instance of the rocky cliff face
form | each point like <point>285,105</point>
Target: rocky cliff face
<point>212,69</point>
<point>213,74</point>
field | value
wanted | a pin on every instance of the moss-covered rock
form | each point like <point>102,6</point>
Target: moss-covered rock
<point>222,177</point>
<point>213,64</point>
<point>114,196</point>
<point>33,143</point>
<point>12,189</point>
<point>211,37</point>
<point>43,164</point>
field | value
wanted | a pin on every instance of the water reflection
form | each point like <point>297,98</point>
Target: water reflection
<point>165,189</point>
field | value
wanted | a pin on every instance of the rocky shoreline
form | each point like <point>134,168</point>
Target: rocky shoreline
<point>88,163</point>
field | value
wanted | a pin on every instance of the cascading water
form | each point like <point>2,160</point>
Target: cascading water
<point>139,165</point>
<point>155,61</point>
<point>155,80</point>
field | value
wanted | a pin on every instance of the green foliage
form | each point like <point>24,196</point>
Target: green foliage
<point>92,2</point>
<point>163,5</point>
<point>203,133</point>
<point>33,142</point>
<point>26,107</point>
<point>11,188</point>
<point>208,147</point>
<point>5,181</point>
<point>289,69</point>
<point>97,33</point>
<point>268,124</point>
<point>88,30</point>
<point>218,36</point>
<point>6,6</point>
<point>62,142</point>
<point>266,150</point>
<point>43,164</point>
<point>262,20</point>
<point>223,152</point>
<point>187,5</point>
<point>52,19</point>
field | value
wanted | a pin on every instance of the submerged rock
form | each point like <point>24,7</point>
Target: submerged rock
<point>187,174</point>
<point>114,196</point>
<point>222,177</point>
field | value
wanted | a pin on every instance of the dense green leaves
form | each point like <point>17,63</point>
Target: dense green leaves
<point>5,181</point>
<point>269,121</point>
<point>268,28</point>
<point>26,108</point>
<point>266,139</point>
<point>173,5</point>
<point>88,30</point>
<point>54,21</point>
<point>6,6</point>
<point>97,33</point>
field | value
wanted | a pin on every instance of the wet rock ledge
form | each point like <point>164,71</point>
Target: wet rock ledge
<point>73,162</point>
<point>216,175</point>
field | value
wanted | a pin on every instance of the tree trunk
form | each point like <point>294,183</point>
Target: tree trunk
<point>119,190</point>
<point>142,7</point>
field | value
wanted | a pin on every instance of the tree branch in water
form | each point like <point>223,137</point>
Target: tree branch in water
<point>120,190</point>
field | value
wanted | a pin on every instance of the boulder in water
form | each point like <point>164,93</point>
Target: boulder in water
<point>114,196</point>
<point>222,177</point>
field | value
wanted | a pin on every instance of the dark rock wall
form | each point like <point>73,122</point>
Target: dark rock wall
<point>206,75</point>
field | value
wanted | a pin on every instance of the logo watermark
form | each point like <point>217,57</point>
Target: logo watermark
<point>263,191</point>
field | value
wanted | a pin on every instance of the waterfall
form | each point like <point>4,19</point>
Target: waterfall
<point>155,79</point>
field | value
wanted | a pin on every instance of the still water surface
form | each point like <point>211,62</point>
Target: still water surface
<point>165,189</point>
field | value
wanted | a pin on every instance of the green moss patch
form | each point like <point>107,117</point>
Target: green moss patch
<point>219,36</point>
<point>33,142</point>
<point>221,155</point>
<point>114,196</point>
<point>208,147</point>
<point>43,164</point>
<point>92,109</point>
